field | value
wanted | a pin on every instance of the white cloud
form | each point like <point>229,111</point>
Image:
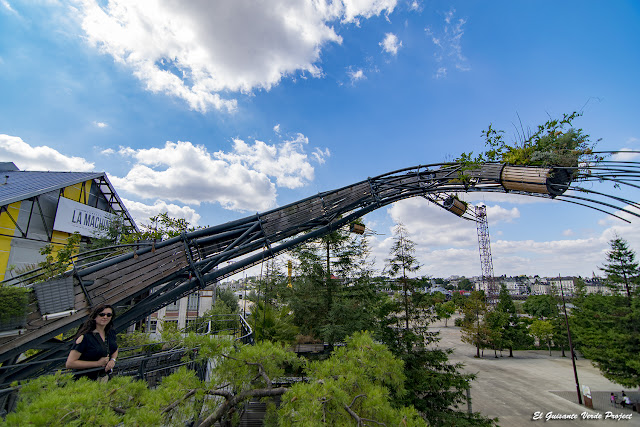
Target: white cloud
<point>321,155</point>
<point>626,155</point>
<point>238,180</point>
<point>568,232</point>
<point>415,6</point>
<point>100,124</point>
<point>441,73</point>
<point>142,212</point>
<point>200,51</point>
<point>40,158</point>
<point>287,162</point>
<point>276,128</point>
<point>390,44</point>
<point>8,7</point>
<point>356,75</point>
<point>108,151</point>
<point>498,213</point>
<point>190,174</point>
<point>448,43</point>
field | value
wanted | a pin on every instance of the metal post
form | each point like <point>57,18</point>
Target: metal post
<point>573,359</point>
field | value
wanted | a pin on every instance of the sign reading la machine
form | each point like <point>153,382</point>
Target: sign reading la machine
<point>88,221</point>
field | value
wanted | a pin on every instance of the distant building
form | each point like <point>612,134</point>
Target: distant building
<point>182,312</point>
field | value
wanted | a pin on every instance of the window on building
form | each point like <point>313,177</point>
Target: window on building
<point>174,306</point>
<point>152,326</point>
<point>192,301</point>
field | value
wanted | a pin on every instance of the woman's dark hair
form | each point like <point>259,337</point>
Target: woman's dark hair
<point>90,324</point>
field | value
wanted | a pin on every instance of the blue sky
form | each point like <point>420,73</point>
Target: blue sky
<point>216,110</point>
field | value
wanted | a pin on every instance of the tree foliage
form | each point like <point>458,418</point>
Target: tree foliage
<point>606,331</point>
<point>333,293</point>
<point>401,262</point>
<point>543,331</point>
<point>541,306</point>
<point>514,331</point>
<point>353,387</point>
<point>621,269</point>
<point>474,330</point>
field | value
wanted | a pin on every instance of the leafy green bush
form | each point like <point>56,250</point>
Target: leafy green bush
<point>13,302</point>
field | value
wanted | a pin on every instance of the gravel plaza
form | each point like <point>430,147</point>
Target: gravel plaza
<point>533,384</point>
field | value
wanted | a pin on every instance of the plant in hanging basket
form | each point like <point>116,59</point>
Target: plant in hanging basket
<point>13,307</point>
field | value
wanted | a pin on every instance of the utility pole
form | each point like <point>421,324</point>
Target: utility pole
<point>573,359</point>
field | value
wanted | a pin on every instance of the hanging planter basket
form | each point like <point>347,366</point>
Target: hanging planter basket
<point>55,296</point>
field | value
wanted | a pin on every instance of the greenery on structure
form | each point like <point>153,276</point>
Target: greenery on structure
<point>13,303</point>
<point>58,261</point>
<point>554,143</point>
<point>158,228</point>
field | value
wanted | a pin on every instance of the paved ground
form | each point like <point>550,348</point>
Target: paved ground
<point>514,389</point>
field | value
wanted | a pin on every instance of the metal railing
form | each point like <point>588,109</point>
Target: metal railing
<point>149,362</point>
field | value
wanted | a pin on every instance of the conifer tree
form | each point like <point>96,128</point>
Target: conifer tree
<point>621,269</point>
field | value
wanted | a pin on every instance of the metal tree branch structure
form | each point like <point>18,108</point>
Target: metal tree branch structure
<point>157,275</point>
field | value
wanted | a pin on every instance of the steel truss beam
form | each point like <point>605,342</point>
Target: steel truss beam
<point>249,241</point>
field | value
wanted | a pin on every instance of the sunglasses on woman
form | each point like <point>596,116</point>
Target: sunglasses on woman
<point>105,314</point>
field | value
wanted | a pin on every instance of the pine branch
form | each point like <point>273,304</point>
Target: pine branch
<point>231,402</point>
<point>178,401</point>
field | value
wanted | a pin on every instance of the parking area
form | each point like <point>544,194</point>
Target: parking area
<point>533,384</point>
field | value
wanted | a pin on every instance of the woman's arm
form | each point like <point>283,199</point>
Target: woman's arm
<point>74,362</point>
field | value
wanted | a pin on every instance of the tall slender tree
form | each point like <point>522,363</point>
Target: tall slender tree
<point>400,264</point>
<point>514,332</point>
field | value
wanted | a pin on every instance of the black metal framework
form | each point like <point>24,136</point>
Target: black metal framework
<point>220,251</point>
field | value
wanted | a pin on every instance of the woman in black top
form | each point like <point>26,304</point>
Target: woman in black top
<point>95,345</point>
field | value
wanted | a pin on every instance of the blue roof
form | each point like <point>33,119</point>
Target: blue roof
<point>16,186</point>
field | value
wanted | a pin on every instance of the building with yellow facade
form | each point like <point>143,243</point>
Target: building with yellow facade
<point>39,208</point>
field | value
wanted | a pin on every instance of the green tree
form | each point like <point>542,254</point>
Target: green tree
<point>357,382</point>
<point>400,263</point>
<point>219,319</point>
<point>543,331</point>
<point>474,331</point>
<point>445,310</point>
<point>514,332</point>
<point>541,306</point>
<point>605,330</point>
<point>273,324</point>
<point>621,269</point>
<point>353,387</point>
<point>465,284</point>
<point>333,292</point>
